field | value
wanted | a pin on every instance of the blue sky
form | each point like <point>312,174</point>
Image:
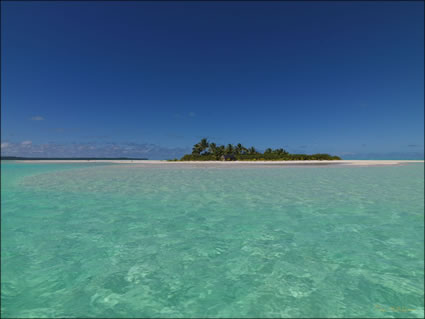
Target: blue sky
<point>150,79</point>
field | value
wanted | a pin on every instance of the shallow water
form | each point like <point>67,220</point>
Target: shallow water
<point>96,240</point>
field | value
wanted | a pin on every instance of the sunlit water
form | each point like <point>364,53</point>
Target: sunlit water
<point>93,240</point>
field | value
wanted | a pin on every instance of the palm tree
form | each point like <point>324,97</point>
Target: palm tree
<point>252,150</point>
<point>203,144</point>
<point>280,151</point>
<point>221,150</point>
<point>229,149</point>
<point>239,149</point>
<point>196,150</point>
<point>213,148</point>
<point>210,151</point>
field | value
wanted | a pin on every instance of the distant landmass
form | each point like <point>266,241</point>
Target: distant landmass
<point>208,151</point>
<point>15,158</point>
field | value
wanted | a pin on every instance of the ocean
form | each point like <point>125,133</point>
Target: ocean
<point>123,240</point>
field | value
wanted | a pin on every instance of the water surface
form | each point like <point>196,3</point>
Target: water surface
<point>96,240</point>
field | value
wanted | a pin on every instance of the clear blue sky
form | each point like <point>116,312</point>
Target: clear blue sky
<point>150,79</point>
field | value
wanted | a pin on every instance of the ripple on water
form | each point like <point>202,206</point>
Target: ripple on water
<point>139,241</point>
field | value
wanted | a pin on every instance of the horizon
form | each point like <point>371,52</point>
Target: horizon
<point>143,79</point>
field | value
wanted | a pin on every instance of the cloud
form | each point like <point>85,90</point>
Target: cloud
<point>4,145</point>
<point>26,143</point>
<point>94,149</point>
<point>413,145</point>
<point>37,118</point>
<point>192,114</point>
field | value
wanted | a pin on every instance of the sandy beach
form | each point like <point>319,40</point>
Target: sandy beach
<point>206,163</point>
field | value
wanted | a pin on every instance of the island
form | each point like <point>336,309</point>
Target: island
<point>209,151</point>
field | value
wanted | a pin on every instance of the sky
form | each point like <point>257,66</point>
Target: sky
<point>145,79</point>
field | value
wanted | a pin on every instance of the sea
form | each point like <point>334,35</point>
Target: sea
<point>171,240</point>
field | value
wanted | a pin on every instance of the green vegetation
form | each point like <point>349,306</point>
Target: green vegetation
<point>206,151</point>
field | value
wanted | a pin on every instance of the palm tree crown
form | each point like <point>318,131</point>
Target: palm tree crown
<point>205,150</point>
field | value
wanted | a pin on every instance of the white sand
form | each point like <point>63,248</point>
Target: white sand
<point>315,162</point>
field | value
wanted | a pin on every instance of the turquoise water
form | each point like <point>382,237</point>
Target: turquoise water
<point>93,240</point>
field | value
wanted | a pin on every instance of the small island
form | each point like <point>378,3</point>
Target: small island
<point>209,151</point>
